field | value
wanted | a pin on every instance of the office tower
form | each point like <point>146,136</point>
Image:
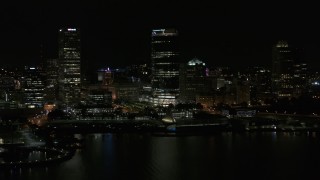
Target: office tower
<point>33,87</point>
<point>300,78</point>
<point>7,87</point>
<point>69,66</point>
<point>260,84</point>
<point>52,74</point>
<point>193,80</point>
<point>283,60</point>
<point>8,90</point>
<point>165,66</point>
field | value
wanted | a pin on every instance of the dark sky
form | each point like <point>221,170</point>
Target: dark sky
<point>117,32</point>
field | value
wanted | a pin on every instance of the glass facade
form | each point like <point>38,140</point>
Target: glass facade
<point>282,69</point>
<point>70,65</point>
<point>165,59</point>
<point>52,76</point>
<point>193,80</point>
<point>165,66</point>
<point>33,87</point>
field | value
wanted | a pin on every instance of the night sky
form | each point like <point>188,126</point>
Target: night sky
<point>117,32</point>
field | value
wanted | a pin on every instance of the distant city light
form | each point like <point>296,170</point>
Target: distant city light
<point>157,30</point>
<point>71,29</point>
<point>282,44</point>
<point>196,61</point>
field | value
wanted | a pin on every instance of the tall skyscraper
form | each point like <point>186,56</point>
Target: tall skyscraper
<point>193,80</point>
<point>165,59</point>
<point>283,60</point>
<point>51,82</point>
<point>69,66</point>
<point>33,87</point>
<point>165,66</point>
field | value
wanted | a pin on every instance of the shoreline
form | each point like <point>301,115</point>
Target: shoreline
<point>63,156</point>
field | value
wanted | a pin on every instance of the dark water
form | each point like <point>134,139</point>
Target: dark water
<point>223,156</point>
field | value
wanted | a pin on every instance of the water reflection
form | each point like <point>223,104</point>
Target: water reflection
<point>72,169</point>
<point>269,155</point>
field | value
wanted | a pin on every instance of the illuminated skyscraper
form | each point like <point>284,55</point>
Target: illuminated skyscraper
<point>165,59</point>
<point>51,82</point>
<point>70,65</point>
<point>165,66</point>
<point>33,87</point>
<point>193,80</point>
<point>284,59</point>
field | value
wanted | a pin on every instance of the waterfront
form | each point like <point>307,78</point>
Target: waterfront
<point>265,155</point>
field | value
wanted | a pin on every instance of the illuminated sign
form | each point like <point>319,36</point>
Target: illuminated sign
<point>157,30</point>
<point>71,29</point>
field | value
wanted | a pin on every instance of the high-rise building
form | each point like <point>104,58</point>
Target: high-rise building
<point>283,60</point>
<point>300,78</point>
<point>52,74</point>
<point>260,84</point>
<point>165,59</point>
<point>33,87</point>
<point>69,65</point>
<point>165,66</point>
<point>193,80</point>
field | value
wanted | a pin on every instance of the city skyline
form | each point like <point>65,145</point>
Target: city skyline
<point>114,34</point>
<point>159,90</point>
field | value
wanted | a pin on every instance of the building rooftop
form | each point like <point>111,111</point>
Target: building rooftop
<point>196,61</point>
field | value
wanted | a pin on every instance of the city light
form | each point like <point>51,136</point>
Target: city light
<point>72,29</point>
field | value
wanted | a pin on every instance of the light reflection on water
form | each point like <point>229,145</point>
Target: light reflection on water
<point>220,156</point>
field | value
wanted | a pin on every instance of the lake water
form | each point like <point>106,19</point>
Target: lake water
<point>267,155</point>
